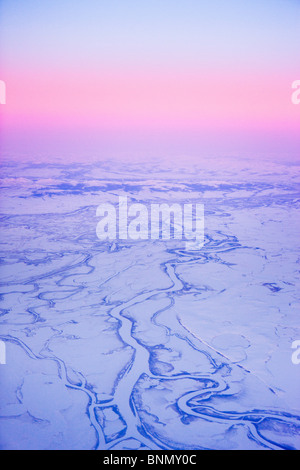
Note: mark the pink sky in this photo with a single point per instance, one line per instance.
(150, 78)
(97, 104)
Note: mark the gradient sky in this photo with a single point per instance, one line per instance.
(134, 79)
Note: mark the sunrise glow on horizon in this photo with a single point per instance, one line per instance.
(186, 78)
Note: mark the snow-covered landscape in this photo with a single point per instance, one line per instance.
(143, 344)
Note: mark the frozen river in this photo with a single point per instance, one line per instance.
(142, 344)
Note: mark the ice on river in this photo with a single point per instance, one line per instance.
(142, 344)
